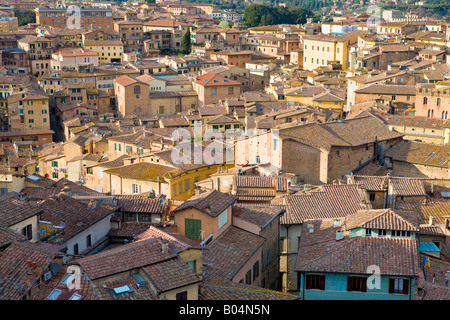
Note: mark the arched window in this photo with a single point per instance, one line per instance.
(438, 101)
(430, 113)
(425, 100)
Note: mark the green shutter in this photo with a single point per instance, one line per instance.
(192, 229)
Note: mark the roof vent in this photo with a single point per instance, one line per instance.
(339, 235)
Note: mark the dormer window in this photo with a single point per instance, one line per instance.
(401, 233)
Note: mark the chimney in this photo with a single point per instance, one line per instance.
(431, 221)
(164, 246)
(66, 190)
(339, 235)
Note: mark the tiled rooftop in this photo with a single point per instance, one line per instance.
(224, 256)
(320, 252)
(328, 201)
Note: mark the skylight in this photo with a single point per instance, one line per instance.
(75, 296)
(54, 295)
(122, 289)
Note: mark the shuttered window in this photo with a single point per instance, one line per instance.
(357, 284)
(397, 285)
(192, 228)
(314, 281)
(223, 219)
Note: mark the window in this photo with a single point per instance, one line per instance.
(401, 233)
(248, 277)
(182, 295)
(223, 218)
(276, 144)
(192, 228)
(214, 91)
(27, 231)
(381, 232)
(372, 196)
(230, 90)
(357, 284)
(88, 241)
(75, 249)
(315, 282)
(135, 188)
(186, 186)
(399, 286)
(255, 270)
(54, 294)
(368, 232)
(137, 89)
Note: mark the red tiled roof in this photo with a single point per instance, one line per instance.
(170, 274)
(131, 256)
(226, 255)
(212, 202)
(8, 236)
(380, 219)
(14, 269)
(320, 252)
(76, 215)
(13, 211)
(259, 215)
(140, 204)
(328, 201)
(209, 79)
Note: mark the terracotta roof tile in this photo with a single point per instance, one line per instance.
(170, 274)
(380, 219)
(14, 269)
(328, 201)
(212, 202)
(131, 256)
(322, 253)
(225, 255)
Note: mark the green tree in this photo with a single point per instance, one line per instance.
(224, 24)
(186, 42)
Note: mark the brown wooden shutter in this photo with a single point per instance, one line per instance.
(405, 286)
(322, 282)
(349, 284)
(391, 285)
(308, 282)
(363, 284)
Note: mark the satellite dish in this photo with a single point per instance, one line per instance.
(350, 173)
(55, 267)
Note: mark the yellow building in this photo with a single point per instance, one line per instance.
(163, 173)
(8, 24)
(326, 98)
(29, 110)
(320, 49)
(109, 51)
